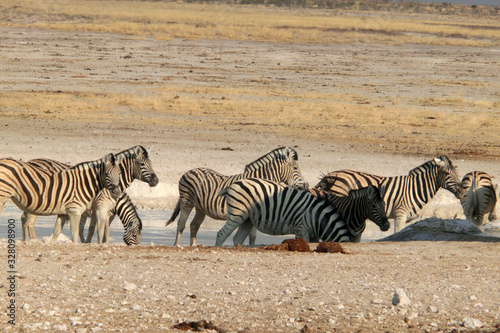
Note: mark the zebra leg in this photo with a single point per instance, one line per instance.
(399, 223)
(90, 232)
(252, 236)
(60, 221)
(181, 224)
(195, 226)
(228, 228)
(74, 223)
(242, 233)
(102, 221)
(108, 228)
(81, 229)
(30, 226)
(24, 219)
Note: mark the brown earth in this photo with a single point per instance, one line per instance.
(452, 286)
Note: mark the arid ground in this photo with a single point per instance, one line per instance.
(383, 108)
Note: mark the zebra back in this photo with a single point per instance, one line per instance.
(41, 192)
(48, 164)
(479, 199)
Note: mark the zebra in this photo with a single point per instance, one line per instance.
(135, 164)
(67, 192)
(200, 188)
(275, 209)
(480, 197)
(127, 213)
(28, 220)
(404, 195)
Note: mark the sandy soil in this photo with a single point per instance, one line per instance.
(90, 288)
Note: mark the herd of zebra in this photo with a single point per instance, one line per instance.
(270, 196)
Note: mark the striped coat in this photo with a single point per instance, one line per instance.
(275, 209)
(404, 196)
(480, 197)
(68, 192)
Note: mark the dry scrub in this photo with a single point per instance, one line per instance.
(166, 20)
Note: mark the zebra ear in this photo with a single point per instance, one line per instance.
(439, 162)
(371, 191)
(110, 158)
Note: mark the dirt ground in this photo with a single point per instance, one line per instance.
(451, 286)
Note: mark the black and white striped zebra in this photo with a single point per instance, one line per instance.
(134, 163)
(479, 198)
(199, 188)
(68, 192)
(127, 213)
(404, 196)
(28, 220)
(275, 209)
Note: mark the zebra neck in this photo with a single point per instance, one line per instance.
(91, 173)
(351, 210)
(127, 171)
(422, 186)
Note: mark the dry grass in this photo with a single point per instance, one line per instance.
(166, 20)
(335, 118)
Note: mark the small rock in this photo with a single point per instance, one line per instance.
(59, 328)
(400, 299)
(471, 323)
(129, 286)
(432, 309)
(136, 307)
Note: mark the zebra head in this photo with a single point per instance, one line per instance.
(136, 164)
(376, 210)
(290, 172)
(133, 229)
(279, 165)
(146, 173)
(448, 176)
(112, 175)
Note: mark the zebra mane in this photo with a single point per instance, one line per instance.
(426, 166)
(92, 164)
(281, 154)
(134, 150)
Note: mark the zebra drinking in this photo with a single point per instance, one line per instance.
(404, 196)
(480, 198)
(67, 192)
(200, 188)
(275, 209)
(134, 163)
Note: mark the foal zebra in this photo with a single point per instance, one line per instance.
(67, 192)
(480, 197)
(404, 196)
(275, 209)
(200, 188)
(134, 164)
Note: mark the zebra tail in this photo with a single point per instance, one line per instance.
(175, 213)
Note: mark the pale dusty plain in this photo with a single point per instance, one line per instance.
(90, 288)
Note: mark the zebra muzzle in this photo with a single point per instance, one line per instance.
(154, 180)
